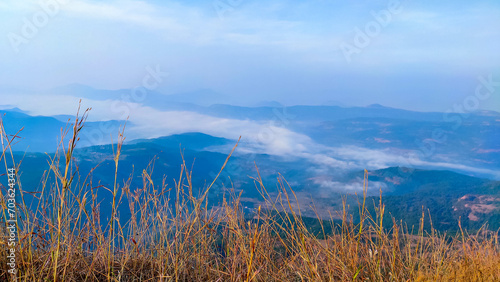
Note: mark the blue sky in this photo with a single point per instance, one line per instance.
(427, 56)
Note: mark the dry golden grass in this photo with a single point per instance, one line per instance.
(63, 238)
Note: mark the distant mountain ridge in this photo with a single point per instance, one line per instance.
(210, 102)
(42, 134)
(152, 98)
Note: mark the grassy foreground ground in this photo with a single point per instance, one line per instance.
(175, 235)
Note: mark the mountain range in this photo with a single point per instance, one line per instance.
(446, 164)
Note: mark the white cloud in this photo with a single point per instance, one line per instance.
(355, 186)
(378, 159)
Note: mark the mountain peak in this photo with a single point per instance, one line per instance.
(8, 108)
(376, 106)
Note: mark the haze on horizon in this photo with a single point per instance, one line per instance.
(424, 55)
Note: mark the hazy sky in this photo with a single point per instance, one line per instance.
(422, 55)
